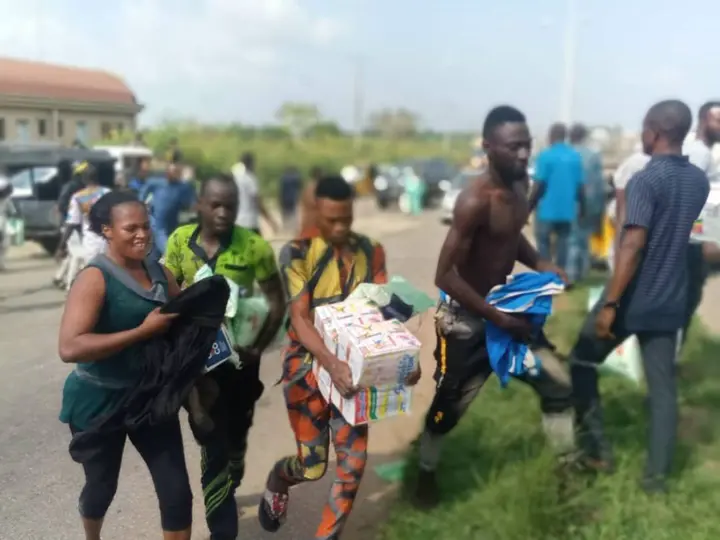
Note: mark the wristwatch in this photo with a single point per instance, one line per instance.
(611, 305)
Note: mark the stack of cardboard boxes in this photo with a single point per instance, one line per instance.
(381, 355)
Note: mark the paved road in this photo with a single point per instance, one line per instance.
(39, 483)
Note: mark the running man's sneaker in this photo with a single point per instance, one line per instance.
(272, 510)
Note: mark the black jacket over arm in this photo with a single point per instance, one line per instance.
(172, 364)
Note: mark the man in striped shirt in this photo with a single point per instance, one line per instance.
(698, 149)
(647, 294)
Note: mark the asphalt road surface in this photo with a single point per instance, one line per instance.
(39, 483)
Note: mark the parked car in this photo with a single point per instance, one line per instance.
(127, 158)
(38, 172)
(388, 186)
(436, 173)
(457, 184)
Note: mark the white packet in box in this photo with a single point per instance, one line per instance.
(327, 389)
(379, 354)
(331, 317)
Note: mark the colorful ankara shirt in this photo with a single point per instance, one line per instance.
(315, 275)
(245, 258)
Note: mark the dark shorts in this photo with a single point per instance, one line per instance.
(463, 366)
(461, 351)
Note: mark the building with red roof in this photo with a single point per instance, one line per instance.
(46, 102)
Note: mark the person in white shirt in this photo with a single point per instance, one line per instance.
(699, 152)
(77, 225)
(250, 204)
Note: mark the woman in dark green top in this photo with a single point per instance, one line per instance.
(112, 308)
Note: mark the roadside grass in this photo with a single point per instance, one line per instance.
(498, 479)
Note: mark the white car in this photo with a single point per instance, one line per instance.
(127, 157)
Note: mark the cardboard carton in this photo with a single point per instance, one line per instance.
(379, 354)
(329, 319)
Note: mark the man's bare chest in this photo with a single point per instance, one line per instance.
(509, 213)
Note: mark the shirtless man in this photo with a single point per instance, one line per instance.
(480, 251)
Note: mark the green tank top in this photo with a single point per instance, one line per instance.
(94, 388)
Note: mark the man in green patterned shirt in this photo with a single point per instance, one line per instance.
(247, 259)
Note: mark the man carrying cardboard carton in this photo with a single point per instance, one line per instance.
(480, 251)
(321, 270)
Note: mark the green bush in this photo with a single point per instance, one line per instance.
(212, 149)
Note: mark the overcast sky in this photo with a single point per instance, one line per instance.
(449, 60)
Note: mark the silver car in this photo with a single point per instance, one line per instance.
(452, 190)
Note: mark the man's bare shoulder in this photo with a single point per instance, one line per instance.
(473, 203)
(477, 192)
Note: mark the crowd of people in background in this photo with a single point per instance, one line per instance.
(571, 195)
(139, 254)
(658, 270)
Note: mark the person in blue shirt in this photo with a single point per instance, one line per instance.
(166, 198)
(558, 195)
(142, 173)
(595, 193)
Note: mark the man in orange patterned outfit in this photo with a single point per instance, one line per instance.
(322, 269)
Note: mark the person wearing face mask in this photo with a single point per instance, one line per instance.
(104, 325)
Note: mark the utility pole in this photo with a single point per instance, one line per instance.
(568, 88)
(358, 102)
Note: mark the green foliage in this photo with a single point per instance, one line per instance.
(210, 149)
(499, 481)
(298, 118)
(394, 122)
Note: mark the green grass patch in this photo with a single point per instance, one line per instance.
(499, 482)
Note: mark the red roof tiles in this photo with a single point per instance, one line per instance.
(37, 79)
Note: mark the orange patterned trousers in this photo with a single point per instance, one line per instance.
(314, 423)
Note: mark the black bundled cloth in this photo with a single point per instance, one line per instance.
(173, 362)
